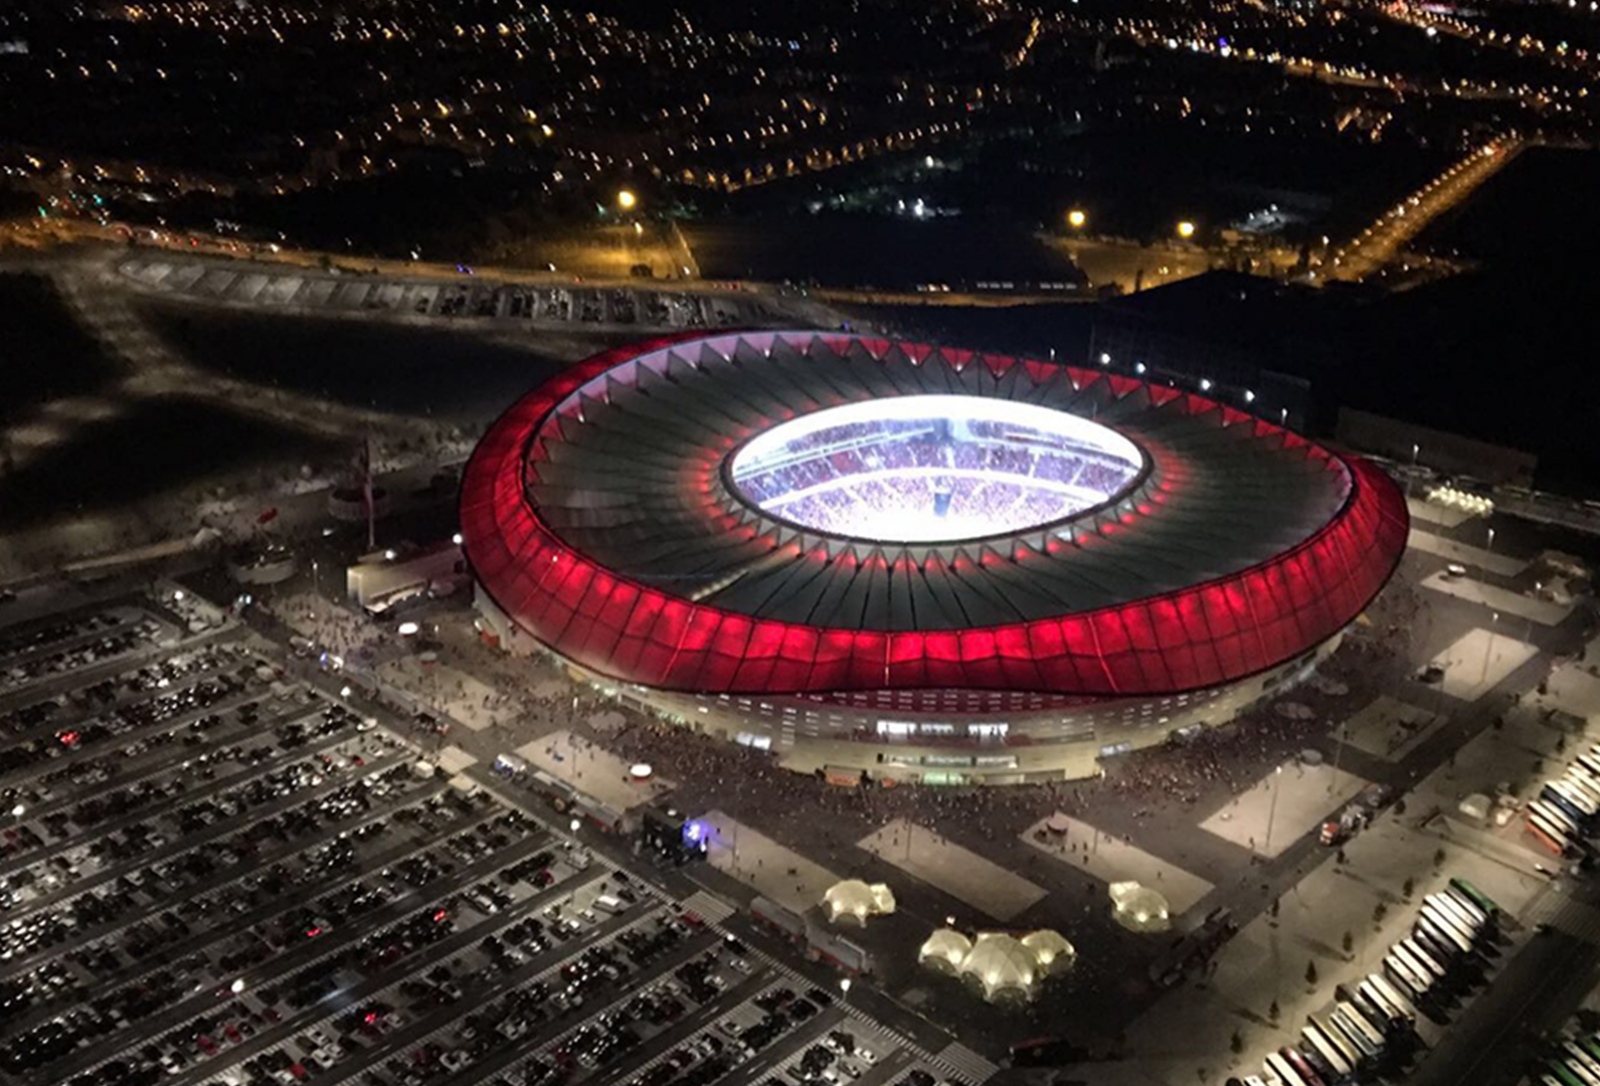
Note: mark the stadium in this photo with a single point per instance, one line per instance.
(929, 563)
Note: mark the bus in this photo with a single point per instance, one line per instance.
(1277, 1067)
(1324, 1057)
(1380, 1000)
(1591, 1045)
(1350, 1014)
(1579, 1071)
(1429, 964)
(1446, 907)
(1549, 831)
(1564, 1074)
(1302, 1066)
(1445, 930)
(1405, 981)
(1583, 1063)
(1590, 763)
(1323, 1034)
(1404, 1008)
(1433, 938)
(1378, 1021)
(1557, 814)
(1364, 1018)
(1559, 795)
(1572, 786)
(1315, 1064)
(1356, 1052)
(1410, 973)
(1440, 928)
(1460, 909)
(1586, 786)
(1484, 903)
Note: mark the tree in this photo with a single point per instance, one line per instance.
(1273, 1011)
(1272, 910)
(1379, 911)
(1408, 888)
(1561, 743)
(1311, 971)
(1439, 858)
(1399, 807)
(1236, 1043)
(1348, 942)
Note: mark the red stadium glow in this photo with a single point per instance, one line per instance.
(598, 515)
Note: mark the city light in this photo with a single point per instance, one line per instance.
(626, 200)
(1077, 218)
(1185, 229)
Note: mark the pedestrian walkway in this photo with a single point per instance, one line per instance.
(956, 870)
(965, 1063)
(711, 909)
(1389, 728)
(1283, 806)
(1110, 859)
(591, 769)
(774, 870)
(1479, 660)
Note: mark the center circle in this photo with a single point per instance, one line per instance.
(932, 468)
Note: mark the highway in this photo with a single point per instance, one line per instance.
(1377, 245)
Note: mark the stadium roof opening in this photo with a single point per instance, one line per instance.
(929, 468)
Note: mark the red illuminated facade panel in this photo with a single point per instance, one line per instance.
(1211, 632)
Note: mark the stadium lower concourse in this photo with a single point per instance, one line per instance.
(926, 563)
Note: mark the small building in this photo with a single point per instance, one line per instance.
(384, 579)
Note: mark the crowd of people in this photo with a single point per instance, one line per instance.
(846, 479)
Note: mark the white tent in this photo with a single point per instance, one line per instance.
(856, 900)
(1139, 908)
(1001, 965)
(945, 950)
(1053, 953)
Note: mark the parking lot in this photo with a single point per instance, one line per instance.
(500, 303)
(213, 873)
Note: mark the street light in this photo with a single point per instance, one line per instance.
(844, 987)
(626, 200)
(1185, 229)
(1272, 810)
(237, 986)
(18, 811)
(575, 825)
(1076, 218)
